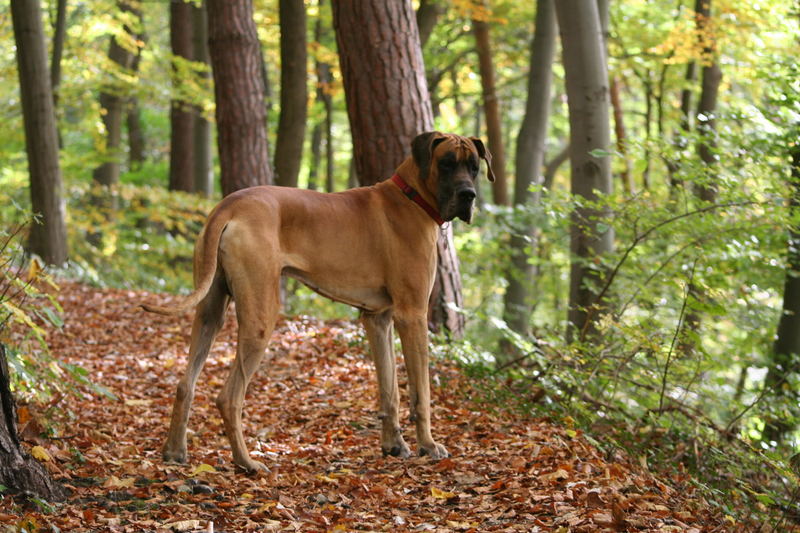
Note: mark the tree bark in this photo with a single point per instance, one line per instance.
(491, 108)
(529, 164)
(587, 94)
(18, 470)
(48, 237)
(239, 91)
(294, 93)
(181, 155)
(112, 104)
(203, 155)
(388, 105)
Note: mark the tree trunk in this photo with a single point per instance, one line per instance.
(491, 108)
(706, 189)
(203, 156)
(48, 237)
(181, 115)
(137, 145)
(112, 104)
(239, 91)
(785, 357)
(316, 156)
(18, 470)
(619, 131)
(428, 14)
(587, 94)
(388, 105)
(294, 93)
(529, 164)
(59, 32)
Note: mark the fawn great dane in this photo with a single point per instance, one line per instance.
(372, 247)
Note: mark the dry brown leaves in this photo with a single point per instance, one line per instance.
(310, 414)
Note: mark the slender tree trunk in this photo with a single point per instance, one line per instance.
(388, 105)
(18, 470)
(316, 156)
(785, 357)
(59, 32)
(239, 90)
(48, 237)
(706, 188)
(529, 164)
(112, 104)
(587, 93)
(294, 93)
(619, 130)
(428, 14)
(203, 155)
(137, 145)
(491, 108)
(181, 156)
(681, 136)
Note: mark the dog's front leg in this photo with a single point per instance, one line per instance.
(413, 332)
(379, 335)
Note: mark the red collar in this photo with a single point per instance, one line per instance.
(413, 195)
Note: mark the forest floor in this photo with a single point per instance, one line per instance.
(310, 415)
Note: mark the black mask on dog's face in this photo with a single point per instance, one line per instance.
(448, 166)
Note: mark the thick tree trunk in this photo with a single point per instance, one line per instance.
(181, 115)
(19, 471)
(112, 104)
(294, 93)
(529, 164)
(203, 155)
(587, 93)
(388, 105)
(785, 357)
(48, 237)
(239, 90)
(491, 108)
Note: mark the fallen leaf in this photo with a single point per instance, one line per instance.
(203, 468)
(442, 494)
(40, 454)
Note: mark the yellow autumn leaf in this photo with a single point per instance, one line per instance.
(326, 479)
(116, 483)
(34, 270)
(203, 468)
(571, 433)
(40, 454)
(441, 494)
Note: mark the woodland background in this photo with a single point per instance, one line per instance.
(633, 268)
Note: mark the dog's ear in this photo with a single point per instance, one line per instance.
(484, 154)
(422, 148)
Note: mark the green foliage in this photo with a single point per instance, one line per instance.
(28, 306)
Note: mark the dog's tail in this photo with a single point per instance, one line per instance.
(205, 265)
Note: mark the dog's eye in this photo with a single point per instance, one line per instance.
(447, 164)
(473, 168)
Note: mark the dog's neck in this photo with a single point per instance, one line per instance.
(409, 171)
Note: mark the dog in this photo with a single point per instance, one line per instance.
(371, 247)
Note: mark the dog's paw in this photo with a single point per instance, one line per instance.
(399, 449)
(435, 451)
(174, 456)
(252, 466)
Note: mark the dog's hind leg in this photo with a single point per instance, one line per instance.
(208, 320)
(256, 313)
(379, 333)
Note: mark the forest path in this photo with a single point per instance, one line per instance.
(310, 415)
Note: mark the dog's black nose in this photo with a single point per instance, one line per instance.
(466, 195)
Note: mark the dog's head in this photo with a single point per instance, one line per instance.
(448, 166)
